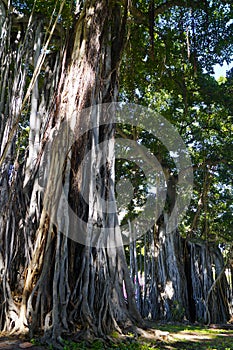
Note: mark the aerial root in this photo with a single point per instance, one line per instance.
(148, 333)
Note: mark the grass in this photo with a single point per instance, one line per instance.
(182, 337)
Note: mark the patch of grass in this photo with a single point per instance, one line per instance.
(210, 344)
(176, 328)
(188, 337)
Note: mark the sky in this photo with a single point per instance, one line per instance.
(220, 71)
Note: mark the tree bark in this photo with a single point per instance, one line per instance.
(62, 286)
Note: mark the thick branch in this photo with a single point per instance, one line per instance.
(169, 4)
(142, 18)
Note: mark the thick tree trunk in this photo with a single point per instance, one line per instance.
(96, 298)
(183, 280)
(55, 283)
(167, 297)
(208, 287)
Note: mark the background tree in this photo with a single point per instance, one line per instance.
(175, 80)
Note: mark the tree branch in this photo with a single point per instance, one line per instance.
(169, 4)
(142, 18)
(210, 162)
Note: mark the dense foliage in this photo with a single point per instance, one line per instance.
(173, 74)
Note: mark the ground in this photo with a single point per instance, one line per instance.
(161, 336)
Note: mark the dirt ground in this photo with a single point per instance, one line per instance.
(14, 343)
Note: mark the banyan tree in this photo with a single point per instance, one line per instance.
(58, 60)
